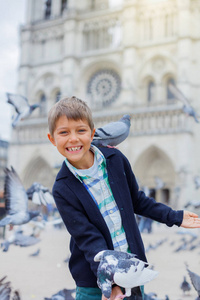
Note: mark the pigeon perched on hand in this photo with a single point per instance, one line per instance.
(16, 201)
(112, 134)
(187, 108)
(22, 107)
(123, 269)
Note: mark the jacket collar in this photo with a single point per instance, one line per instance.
(65, 172)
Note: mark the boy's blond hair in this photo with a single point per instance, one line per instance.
(72, 108)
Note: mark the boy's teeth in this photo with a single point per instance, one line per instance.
(74, 148)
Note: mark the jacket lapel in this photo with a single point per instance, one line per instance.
(82, 194)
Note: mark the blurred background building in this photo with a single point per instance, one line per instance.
(118, 56)
(3, 161)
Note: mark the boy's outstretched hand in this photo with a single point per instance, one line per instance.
(190, 220)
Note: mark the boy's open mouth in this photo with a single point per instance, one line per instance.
(74, 148)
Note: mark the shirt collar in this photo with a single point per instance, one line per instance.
(98, 156)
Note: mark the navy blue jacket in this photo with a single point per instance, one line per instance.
(89, 232)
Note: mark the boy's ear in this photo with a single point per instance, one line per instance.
(93, 132)
(51, 139)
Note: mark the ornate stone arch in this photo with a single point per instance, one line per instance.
(156, 66)
(40, 171)
(169, 78)
(46, 83)
(155, 162)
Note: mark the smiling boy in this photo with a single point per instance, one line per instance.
(97, 196)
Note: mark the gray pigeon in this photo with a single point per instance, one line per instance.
(36, 253)
(22, 107)
(194, 203)
(159, 183)
(185, 286)
(64, 294)
(6, 291)
(187, 108)
(39, 194)
(121, 268)
(19, 239)
(112, 134)
(195, 279)
(197, 181)
(16, 201)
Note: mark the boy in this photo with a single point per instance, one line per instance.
(97, 196)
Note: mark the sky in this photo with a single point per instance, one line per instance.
(12, 15)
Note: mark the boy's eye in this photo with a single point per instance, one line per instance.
(63, 132)
(81, 130)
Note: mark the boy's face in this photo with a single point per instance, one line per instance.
(72, 139)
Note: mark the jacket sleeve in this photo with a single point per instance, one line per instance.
(147, 206)
(86, 235)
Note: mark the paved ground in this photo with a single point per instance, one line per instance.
(46, 274)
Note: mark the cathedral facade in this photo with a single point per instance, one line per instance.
(120, 57)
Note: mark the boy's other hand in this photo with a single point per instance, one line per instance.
(190, 220)
(115, 295)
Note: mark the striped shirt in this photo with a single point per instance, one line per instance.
(95, 180)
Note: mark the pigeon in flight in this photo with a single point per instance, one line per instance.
(39, 194)
(187, 108)
(6, 291)
(22, 107)
(16, 201)
(121, 268)
(195, 279)
(113, 133)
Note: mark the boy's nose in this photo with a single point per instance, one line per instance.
(73, 138)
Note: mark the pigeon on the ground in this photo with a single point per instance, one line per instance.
(159, 183)
(36, 253)
(22, 107)
(113, 133)
(19, 239)
(185, 286)
(146, 190)
(66, 260)
(16, 201)
(197, 181)
(194, 203)
(187, 108)
(64, 294)
(195, 279)
(6, 291)
(121, 268)
(39, 194)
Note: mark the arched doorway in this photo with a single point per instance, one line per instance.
(152, 163)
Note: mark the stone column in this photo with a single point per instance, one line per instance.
(56, 8)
